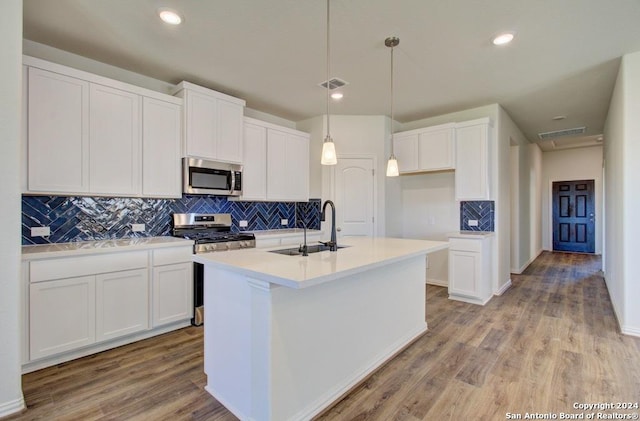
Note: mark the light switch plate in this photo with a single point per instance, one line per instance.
(137, 227)
(40, 231)
(284, 222)
(243, 224)
(472, 222)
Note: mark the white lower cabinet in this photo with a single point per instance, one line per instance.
(286, 239)
(122, 303)
(62, 315)
(76, 306)
(470, 269)
(172, 296)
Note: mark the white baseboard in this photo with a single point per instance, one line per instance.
(631, 331)
(523, 267)
(438, 282)
(503, 288)
(12, 407)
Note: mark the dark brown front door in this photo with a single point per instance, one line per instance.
(574, 216)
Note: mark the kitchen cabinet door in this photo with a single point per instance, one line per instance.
(277, 175)
(297, 168)
(122, 303)
(436, 149)
(58, 135)
(61, 315)
(229, 132)
(213, 124)
(161, 134)
(200, 124)
(470, 270)
(254, 175)
(172, 293)
(115, 141)
(405, 148)
(472, 181)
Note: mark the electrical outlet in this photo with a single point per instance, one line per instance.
(40, 231)
(243, 224)
(137, 227)
(284, 222)
(472, 222)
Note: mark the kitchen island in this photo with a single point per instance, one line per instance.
(287, 336)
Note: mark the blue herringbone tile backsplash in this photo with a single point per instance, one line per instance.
(103, 218)
(482, 211)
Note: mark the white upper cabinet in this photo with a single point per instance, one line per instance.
(114, 141)
(254, 180)
(213, 123)
(58, 132)
(277, 174)
(87, 134)
(405, 148)
(428, 149)
(161, 134)
(297, 157)
(473, 160)
(276, 166)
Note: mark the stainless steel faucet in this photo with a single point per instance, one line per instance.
(333, 244)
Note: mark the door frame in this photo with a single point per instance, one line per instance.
(331, 191)
(596, 196)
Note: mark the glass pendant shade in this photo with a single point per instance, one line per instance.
(328, 152)
(392, 167)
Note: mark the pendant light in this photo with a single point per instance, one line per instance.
(328, 147)
(392, 164)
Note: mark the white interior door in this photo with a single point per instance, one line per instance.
(354, 196)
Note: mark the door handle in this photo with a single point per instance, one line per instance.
(338, 229)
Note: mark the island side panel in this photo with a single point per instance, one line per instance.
(327, 338)
(278, 353)
(228, 339)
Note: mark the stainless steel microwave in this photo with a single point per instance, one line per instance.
(209, 177)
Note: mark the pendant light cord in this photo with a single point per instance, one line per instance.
(392, 154)
(328, 82)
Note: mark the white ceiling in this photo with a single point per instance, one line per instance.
(563, 61)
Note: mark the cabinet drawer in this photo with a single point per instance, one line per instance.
(465, 244)
(47, 270)
(169, 256)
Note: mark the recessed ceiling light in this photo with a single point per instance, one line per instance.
(559, 117)
(503, 39)
(170, 16)
(337, 95)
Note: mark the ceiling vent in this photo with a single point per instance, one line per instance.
(562, 133)
(334, 83)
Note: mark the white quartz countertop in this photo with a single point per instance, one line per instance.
(471, 234)
(362, 253)
(288, 232)
(77, 248)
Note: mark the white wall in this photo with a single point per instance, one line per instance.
(11, 399)
(567, 165)
(622, 172)
(429, 211)
(535, 200)
(353, 135)
(524, 193)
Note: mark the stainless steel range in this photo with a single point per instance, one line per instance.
(211, 233)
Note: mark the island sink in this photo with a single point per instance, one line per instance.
(297, 251)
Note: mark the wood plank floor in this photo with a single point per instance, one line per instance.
(549, 341)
